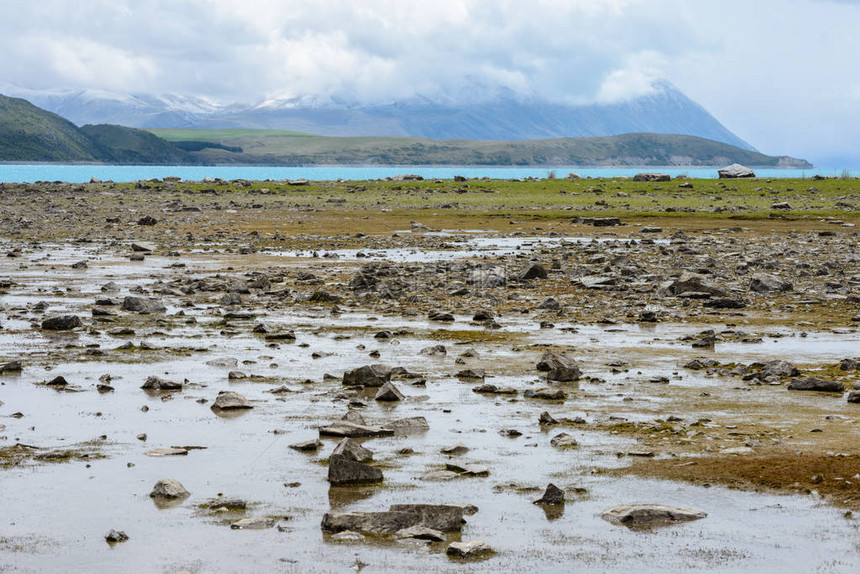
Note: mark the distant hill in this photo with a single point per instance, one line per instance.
(29, 133)
(480, 112)
(634, 150)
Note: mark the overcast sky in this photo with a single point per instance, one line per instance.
(782, 74)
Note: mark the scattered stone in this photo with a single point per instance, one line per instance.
(368, 376)
(147, 220)
(353, 451)
(455, 450)
(765, 283)
(546, 394)
(650, 514)
(342, 470)
(159, 452)
(158, 384)
(168, 488)
(735, 170)
(559, 367)
(534, 271)
(854, 397)
(434, 351)
(471, 374)
(408, 425)
(353, 430)
(389, 393)
(552, 495)
(815, 384)
(778, 368)
(306, 446)
(62, 323)
(420, 533)
(651, 177)
(11, 367)
(142, 305)
(230, 400)
(441, 517)
(115, 536)
(546, 419)
(258, 523)
(471, 549)
(563, 441)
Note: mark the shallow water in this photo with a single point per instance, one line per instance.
(55, 515)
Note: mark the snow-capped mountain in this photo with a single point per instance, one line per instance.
(499, 114)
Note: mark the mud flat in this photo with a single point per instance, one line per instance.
(690, 344)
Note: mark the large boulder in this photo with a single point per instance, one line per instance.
(158, 384)
(230, 400)
(367, 376)
(652, 177)
(650, 514)
(559, 367)
(778, 368)
(766, 283)
(143, 305)
(734, 171)
(815, 384)
(343, 470)
(352, 451)
(441, 517)
(693, 283)
(168, 488)
(62, 323)
(533, 271)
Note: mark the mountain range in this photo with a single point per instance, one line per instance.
(501, 115)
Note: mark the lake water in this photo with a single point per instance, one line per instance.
(29, 173)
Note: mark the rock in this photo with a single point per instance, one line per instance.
(552, 495)
(601, 282)
(417, 226)
(563, 441)
(854, 397)
(781, 205)
(159, 452)
(257, 523)
(441, 517)
(494, 390)
(650, 514)
(114, 536)
(652, 177)
(814, 384)
(306, 446)
(534, 271)
(559, 367)
(147, 220)
(408, 425)
(844, 365)
(407, 177)
(62, 323)
(765, 283)
(143, 247)
(168, 488)
(142, 305)
(368, 376)
(355, 417)
(440, 475)
(693, 282)
(546, 419)
(455, 450)
(550, 304)
(440, 316)
(342, 470)
(471, 374)
(471, 549)
(227, 400)
(421, 533)
(158, 384)
(347, 536)
(353, 451)
(725, 303)
(778, 368)
(491, 277)
(434, 351)
(735, 170)
(651, 229)
(353, 430)
(388, 392)
(546, 394)
(11, 367)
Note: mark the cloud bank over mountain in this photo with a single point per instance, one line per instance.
(783, 75)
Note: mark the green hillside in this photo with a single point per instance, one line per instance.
(119, 144)
(280, 148)
(28, 133)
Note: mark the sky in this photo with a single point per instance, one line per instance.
(784, 75)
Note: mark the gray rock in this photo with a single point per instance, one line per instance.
(693, 283)
(257, 523)
(342, 470)
(168, 488)
(778, 368)
(158, 384)
(368, 376)
(470, 549)
(455, 450)
(735, 170)
(143, 305)
(421, 533)
(490, 277)
(815, 384)
(444, 518)
(471, 374)
(141, 247)
(546, 394)
(652, 177)
(408, 425)
(533, 271)
(306, 446)
(11, 367)
(388, 392)
(114, 536)
(62, 323)
(844, 365)
(440, 475)
(550, 304)
(650, 514)
(559, 367)
(766, 283)
(434, 351)
(353, 430)
(227, 400)
(563, 441)
(353, 451)
(854, 397)
(552, 495)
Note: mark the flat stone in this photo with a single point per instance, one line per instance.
(420, 533)
(258, 523)
(142, 305)
(408, 425)
(546, 394)
(650, 514)
(62, 323)
(815, 384)
(306, 446)
(157, 452)
(471, 549)
(348, 429)
(444, 518)
(455, 450)
(158, 384)
(440, 475)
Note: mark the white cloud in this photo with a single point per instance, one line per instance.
(781, 73)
